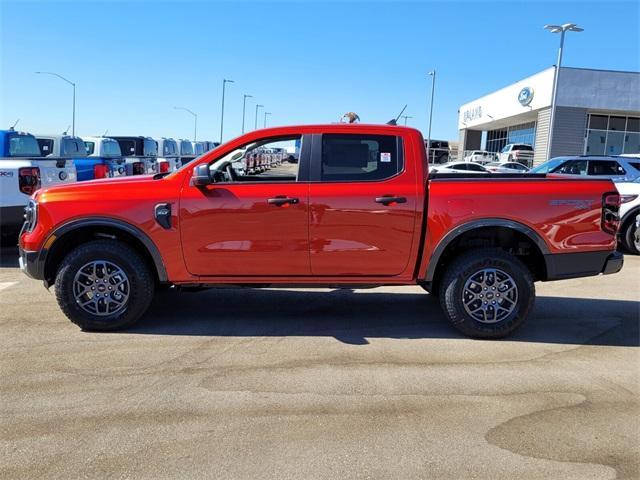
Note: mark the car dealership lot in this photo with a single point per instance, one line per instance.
(322, 384)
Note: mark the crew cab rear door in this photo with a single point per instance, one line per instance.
(362, 200)
(248, 224)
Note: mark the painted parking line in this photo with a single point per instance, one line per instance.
(4, 285)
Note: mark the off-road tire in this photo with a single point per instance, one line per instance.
(463, 268)
(141, 286)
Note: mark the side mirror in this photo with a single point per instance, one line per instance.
(201, 175)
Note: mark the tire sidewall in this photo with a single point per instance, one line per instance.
(140, 283)
(629, 233)
(454, 306)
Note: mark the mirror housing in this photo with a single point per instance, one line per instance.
(201, 176)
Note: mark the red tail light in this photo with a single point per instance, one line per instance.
(138, 168)
(610, 212)
(164, 167)
(29, 180)
(100, 171)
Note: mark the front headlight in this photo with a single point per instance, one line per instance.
(30, 215)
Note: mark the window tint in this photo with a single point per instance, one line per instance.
(71, 147)
(111, 148)
(359, 157)
(635, 165)
(605, 167)
(527, 148)
(598, 122)
(23, 146)
(572, 167)
(269, 160)
(169, 147)
(128, 147)
(474, 167)
(150, 148)
(90, 147)
(46, 146)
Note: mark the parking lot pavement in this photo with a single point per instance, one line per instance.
(322, 384)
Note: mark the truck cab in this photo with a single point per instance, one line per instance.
(168, 159)
(140, 154)
(22, 172)
(107, 151)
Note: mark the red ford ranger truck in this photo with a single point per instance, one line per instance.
(358, 209)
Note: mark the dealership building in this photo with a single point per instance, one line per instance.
(597, 113)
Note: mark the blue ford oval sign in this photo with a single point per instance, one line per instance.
(525, 96)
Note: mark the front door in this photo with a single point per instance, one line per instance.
(362, 204)
(247, 224)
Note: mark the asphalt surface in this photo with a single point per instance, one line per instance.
(279, 384)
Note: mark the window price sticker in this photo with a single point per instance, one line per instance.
(385, 157)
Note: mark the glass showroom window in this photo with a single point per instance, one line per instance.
(612, 135)
(523, 133)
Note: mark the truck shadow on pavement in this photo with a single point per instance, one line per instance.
(353, 316)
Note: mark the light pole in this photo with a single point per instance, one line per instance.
(224, 84)
(195, 120)
(405, 118)
(255, 127)
(432, 74)
(244, 104)
(73, 120)
(265, 119)
(561, 29)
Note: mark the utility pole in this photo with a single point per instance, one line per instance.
(73, 120)
(255, 127)
(432, 74)
(244, 104)
(561, 29)
(224, 84)
(265, 119)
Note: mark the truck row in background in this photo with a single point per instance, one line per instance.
(29, 162)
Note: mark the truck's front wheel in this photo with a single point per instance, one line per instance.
(104, 285)
(487, 293)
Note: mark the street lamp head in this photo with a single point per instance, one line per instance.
(248, 96)
(228, 81)
(570, 27)
(431, 73)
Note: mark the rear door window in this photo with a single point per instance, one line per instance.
(355, 157)
(572, 167)
(605, 167)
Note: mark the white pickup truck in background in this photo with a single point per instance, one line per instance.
(22, 172)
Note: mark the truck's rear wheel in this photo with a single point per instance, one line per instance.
(487, 293)
(104, 285)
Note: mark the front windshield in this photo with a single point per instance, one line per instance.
(23, 146)
(547, 166)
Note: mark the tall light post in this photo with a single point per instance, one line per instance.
(244, 104)
(255, 127)
(432, 74)
(195, 120)
(265, 119)
(561, 29)
(224, 85)
(73, 120)
(405, 118)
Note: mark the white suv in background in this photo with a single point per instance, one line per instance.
(517, 152)
(629, 210)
